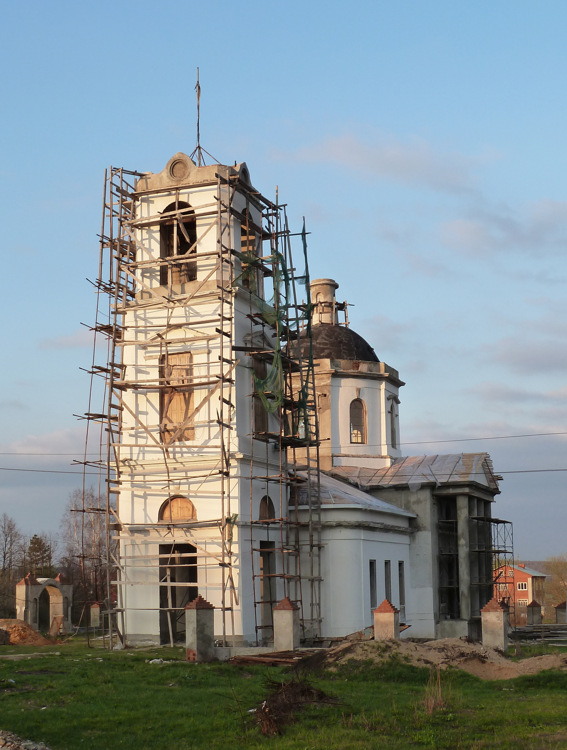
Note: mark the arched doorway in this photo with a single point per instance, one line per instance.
(267, 515)
(50, 604)
(177, 571)
(43, 619)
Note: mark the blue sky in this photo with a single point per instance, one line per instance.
(423, 142)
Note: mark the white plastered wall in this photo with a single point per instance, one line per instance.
(188, 463)
(377, 450)
(348, 546)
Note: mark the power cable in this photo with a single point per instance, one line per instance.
(369, 445)
(398, 474)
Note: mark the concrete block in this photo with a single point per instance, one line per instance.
(95, 615)
(286, 626)
(386, 622)
(494, 618)
(533, 613)
(199, 630)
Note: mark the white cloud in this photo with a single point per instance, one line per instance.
(413, 162)
(424, 266)
(68, 441)
(37, 476)
(496, 392)
(383, 334)
(319, 213)
(13, 404)
(525, 356)
(83, 337)
(538, 227)
(552, 320)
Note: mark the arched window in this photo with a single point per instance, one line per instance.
(176, 398)
(249, 249)
(357, 421)
(267, 511)
(260, 413)
(177, 509)
(393, 425)
(178, 237)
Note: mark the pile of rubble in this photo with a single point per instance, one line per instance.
(483, 662)
(12, 742)
(22, 634)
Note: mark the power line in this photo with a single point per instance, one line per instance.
(48, 471)
(20, 453)
(399, 474)
(492, 437)
(369, 445)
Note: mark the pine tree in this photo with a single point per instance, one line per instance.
(39, 557)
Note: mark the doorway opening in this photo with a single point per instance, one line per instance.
(267, 588)
(177, 587)
(50, 604)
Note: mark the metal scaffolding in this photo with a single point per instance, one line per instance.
(502, 564)
(186, 309)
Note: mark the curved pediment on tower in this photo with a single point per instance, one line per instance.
(181, 170)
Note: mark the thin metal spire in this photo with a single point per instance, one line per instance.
(198, 152)
(198, 149)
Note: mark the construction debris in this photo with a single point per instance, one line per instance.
(23, 634)
(284, 701)
(13, 742)
(276, 658)
(486, 663)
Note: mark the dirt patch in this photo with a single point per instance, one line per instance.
(285, 699)
(474, 658)
(22, 634)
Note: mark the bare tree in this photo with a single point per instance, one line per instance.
(11, 558)
(10, 542)
(84, 545)
(556, 582)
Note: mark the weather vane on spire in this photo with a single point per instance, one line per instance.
(198, 150)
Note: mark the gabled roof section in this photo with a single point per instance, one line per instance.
(508, 570)
(335, 493)
(415, 471)
(529, 571)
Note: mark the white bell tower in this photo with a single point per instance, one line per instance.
(204, 405)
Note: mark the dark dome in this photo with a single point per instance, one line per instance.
(338, 342)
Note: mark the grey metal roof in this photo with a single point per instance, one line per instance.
(529, 571)
(335, 493)
(415, 471)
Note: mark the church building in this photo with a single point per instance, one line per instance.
(447, 577)
(254, 437)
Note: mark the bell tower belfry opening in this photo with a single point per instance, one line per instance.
(206, 405)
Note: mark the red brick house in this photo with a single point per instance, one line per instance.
(518, 586)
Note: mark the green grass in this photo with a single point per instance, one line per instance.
(518, 651)
(85, 698)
